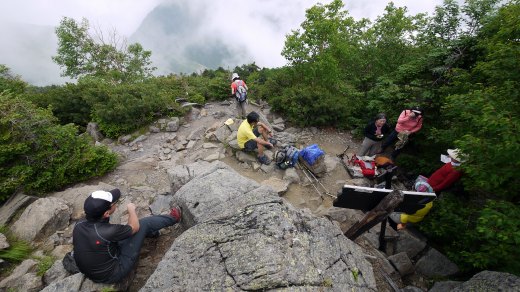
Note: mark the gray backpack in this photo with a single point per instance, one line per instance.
(241, 92)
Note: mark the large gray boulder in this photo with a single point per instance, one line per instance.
(75, 197)
(222, 133)
(243, 236)
(181, 174)
(490, 281)
(42, 218)
(94, 132)
(11, 207)
(23, 278)
(435, 264)
(409, 243)
(70, 283)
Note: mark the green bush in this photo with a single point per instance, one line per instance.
(10, 82)
(37, 155)
(122, 108)
(476, 234)
(44, 264)
(66, 102)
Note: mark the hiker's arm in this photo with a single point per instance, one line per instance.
(133, 221)
(263, 142)
(260, 124)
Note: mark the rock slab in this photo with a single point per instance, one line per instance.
(243, 236)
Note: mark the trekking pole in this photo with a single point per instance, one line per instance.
(316, 179)
(312, 183)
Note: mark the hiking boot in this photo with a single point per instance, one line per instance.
(264, 160)
(176, 214)
(154, 234)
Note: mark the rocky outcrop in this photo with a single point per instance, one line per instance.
(435, 264)
(42, 218)
(490, 281)
(239, 234)
(23, 278)
(243, 236)
(11, 207)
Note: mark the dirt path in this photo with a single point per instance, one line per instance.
(142, 167)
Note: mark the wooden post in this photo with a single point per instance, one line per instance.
(376, 215)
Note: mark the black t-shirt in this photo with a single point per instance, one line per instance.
(96, 250)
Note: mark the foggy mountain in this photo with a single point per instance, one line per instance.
(182, 39)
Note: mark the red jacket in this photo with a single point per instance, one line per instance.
(444, 177)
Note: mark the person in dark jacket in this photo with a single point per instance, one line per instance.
(105, 252)
(374, 133)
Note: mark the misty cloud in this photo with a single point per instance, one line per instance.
(235, 32)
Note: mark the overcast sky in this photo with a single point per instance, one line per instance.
(264, 41)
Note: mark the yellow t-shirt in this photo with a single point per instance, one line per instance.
(418, 216)
(245, 133)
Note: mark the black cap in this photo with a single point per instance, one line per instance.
(100, 201)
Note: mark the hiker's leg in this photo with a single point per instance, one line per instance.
(240, 113)
(243, 109)
(389, 140)
(374, 148)
(395, 153)
(131, 246)
(260, 149)
(365, 147)
(263, 133)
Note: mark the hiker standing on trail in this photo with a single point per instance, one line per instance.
(253, 134)
(409, 122)
(374, 133)
(239, 91)
(106, 253)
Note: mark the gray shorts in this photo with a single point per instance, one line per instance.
(251, 145)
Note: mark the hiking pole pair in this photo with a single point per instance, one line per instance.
(305, 170)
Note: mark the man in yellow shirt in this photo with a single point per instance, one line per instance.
(253, 134)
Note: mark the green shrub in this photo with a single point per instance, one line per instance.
(67, 103)
(44, 264)
(37, 155)
(121, 108)
(10, 82)
(476, 234)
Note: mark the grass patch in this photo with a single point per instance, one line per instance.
(18, 250)
(44, 264)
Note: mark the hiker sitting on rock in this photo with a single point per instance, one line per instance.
(106, 253)
(253, 134)
(374, 133)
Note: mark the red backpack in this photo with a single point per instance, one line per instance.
(368, 168)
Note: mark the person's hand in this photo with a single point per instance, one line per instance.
(131, 207)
